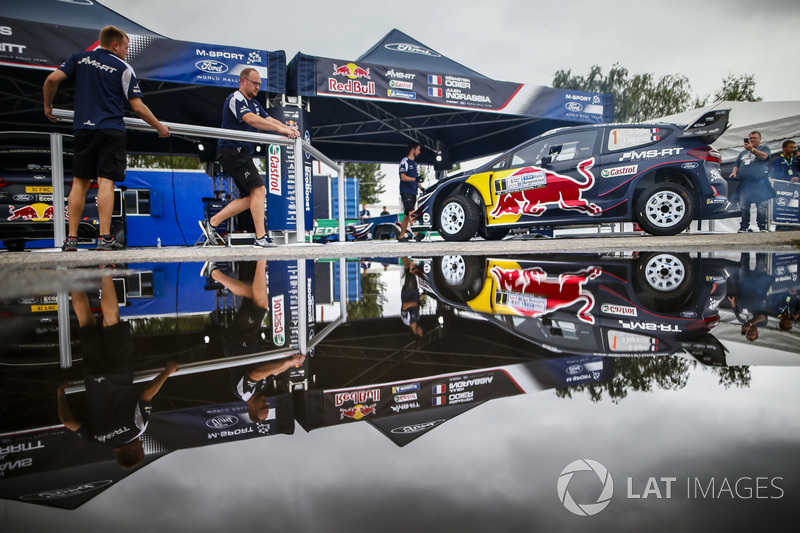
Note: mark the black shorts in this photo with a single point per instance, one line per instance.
(99, 154)
(108, 349)
(239, 164)
(409, 202)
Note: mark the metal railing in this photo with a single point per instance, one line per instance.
(304, 344)
(201, 131)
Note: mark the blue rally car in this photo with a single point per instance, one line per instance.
(661, 176)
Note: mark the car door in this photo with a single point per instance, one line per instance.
(547, 180)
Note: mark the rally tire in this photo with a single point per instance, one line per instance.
(665, 209)
(665, 282)
(459, 278)
(458, 218)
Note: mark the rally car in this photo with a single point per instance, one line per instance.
(661, 176)
(646, 304)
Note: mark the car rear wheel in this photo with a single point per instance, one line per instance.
(665, 209)
(665, 282)
(459, 218)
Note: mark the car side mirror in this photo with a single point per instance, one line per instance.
(546, 160)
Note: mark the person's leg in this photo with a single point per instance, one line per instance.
(260, 289)
(233, 208)
(105, 203)
(761, 216)
(109, 302)
(75, 203)
(257, 198)
(745, 207)
(80, 304)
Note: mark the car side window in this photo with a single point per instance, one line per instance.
(566, 147)
(623, 138)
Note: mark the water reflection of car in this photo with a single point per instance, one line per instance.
(661, 176)
(646, 304)
(26, 193)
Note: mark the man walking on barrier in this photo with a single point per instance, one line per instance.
(242, 112)
(103, 81)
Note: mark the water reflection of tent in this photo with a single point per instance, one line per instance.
(400, 89)
(375, 371)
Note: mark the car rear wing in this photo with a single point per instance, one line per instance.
(709, 126)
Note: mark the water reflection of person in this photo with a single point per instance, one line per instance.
(117, 410)
(243, 336)
(747, 293)
(410, 297)
(789, 311)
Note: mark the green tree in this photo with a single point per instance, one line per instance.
(369, 177)
(372, 300)
(637, 97)
(165, 161)
(738, 89)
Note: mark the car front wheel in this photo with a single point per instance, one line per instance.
(459, 218)
(665, 209)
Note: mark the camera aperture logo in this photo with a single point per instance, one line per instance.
(585, 509)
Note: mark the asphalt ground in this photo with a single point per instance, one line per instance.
(50, 271)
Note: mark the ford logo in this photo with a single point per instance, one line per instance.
(688, 314)
(23, 197)
(689, 166)
(782, 202)
(574, 106)
(574, 369)
(416, 428)
(209, 65)
(222, 421)
(28, 301)
(411, 48)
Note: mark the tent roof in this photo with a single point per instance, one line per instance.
(75, 13)
(368, 109)
(399, 50)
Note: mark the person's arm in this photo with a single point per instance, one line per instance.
(145, 114)
(272, 368)
(270, 124)
(761, 154)
(154, 386)
(735, 171)
(49, 91)
(64, 412)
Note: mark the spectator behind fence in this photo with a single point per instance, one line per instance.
(103, 81)
(752, 169)
(242, 112)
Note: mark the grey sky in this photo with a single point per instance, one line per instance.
(514, 40)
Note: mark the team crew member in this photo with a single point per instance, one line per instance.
(242, 112)
(786, 166)
(117, 410)
(409, 183)
(103, 81)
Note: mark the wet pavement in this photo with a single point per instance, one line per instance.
(523, 384)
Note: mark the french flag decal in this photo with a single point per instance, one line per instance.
(435, 91)
(439, 400)
(434, 80)
(439, 389)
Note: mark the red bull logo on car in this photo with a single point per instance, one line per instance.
(357, 412)
(531, 190)
(533, 293)
(38, 212)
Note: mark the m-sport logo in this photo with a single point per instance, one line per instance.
(66, 492)
(416, 428)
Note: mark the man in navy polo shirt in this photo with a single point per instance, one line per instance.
(409, 183)
(752, 170)
(103, 82)
(242, 112)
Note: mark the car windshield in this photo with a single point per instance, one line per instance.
(564, 147)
